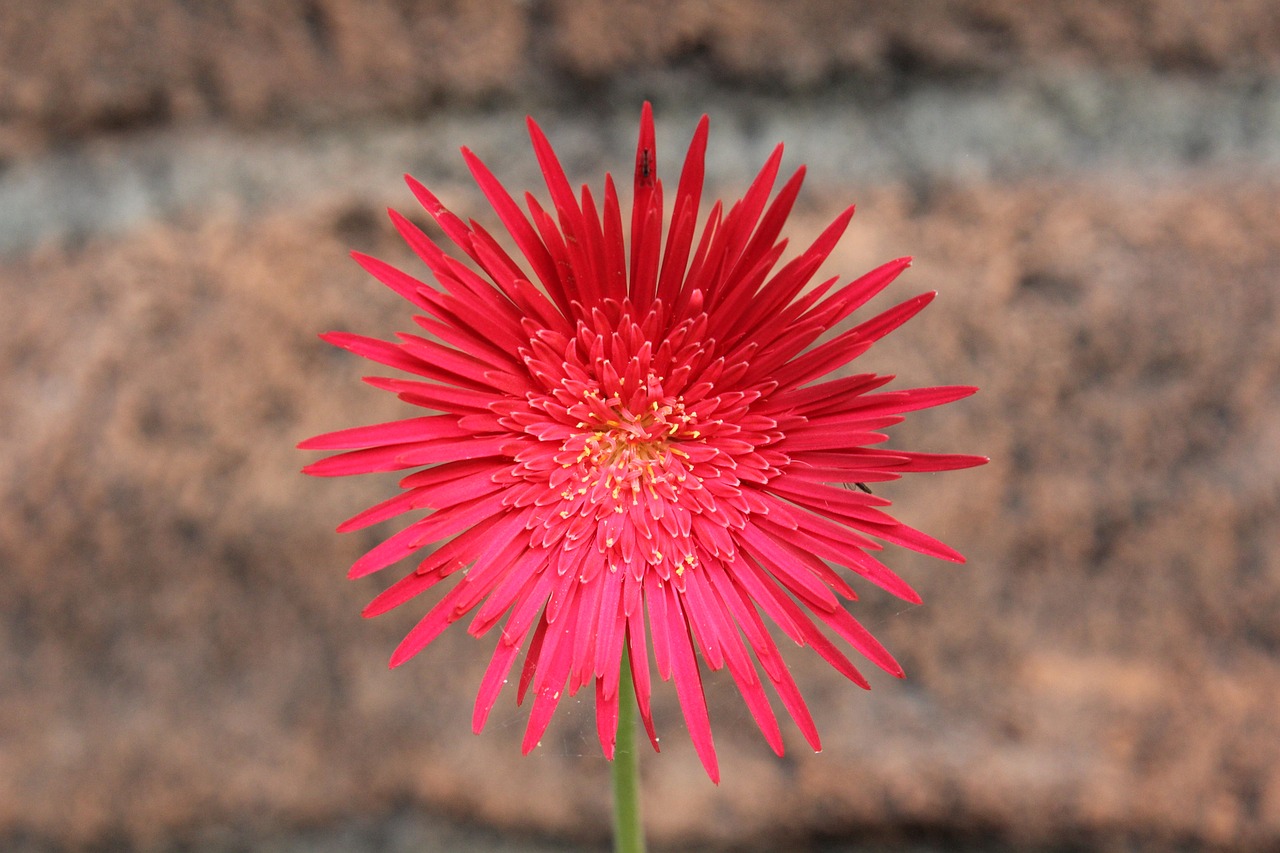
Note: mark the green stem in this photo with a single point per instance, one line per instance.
(628, 828)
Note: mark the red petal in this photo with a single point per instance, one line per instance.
(607, 718)
(519, 228)
(688, 682)
(491, 684)
(393, 432)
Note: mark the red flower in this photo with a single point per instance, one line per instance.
(640, 450)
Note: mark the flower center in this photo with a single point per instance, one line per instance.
(638, 449)
(626, 454)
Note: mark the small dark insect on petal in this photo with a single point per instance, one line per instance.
(862, 486)
(646, 166)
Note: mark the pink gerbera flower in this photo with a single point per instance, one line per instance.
(636, 444)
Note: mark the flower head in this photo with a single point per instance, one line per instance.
(637, 444)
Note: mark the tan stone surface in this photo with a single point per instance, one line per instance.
(96, 65)
(181, 650)
(78, 67)
(807, 43)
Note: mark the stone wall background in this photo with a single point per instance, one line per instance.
(1092, 187)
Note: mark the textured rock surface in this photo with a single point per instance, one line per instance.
(102, 65)
(806, 43)
(182, 665)
(98, 66)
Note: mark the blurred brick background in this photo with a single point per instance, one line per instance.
(1091, 186)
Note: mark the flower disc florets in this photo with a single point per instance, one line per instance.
(644, 450)
(641, 459)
